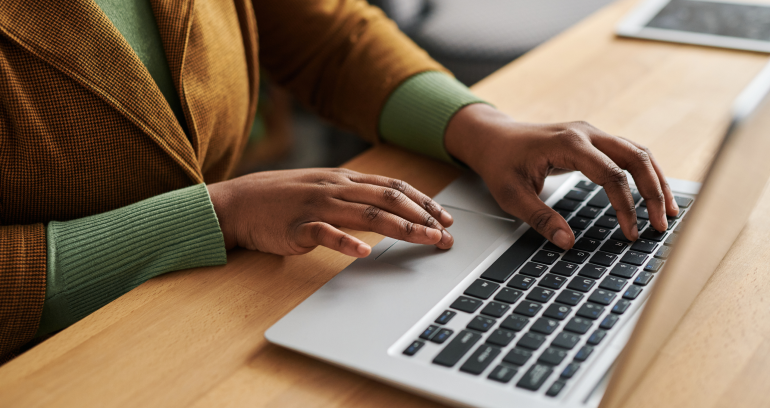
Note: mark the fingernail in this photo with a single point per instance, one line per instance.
(664, 221)
(445, 218)
(363, 249)
(433, 234)
(446, 238)
(634, 233)
(561, 239)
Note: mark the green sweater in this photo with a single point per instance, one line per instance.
(94, 260)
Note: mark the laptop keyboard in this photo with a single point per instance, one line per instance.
(540, 310)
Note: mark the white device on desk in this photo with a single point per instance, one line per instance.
(506, 319)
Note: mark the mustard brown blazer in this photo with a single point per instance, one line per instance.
(85, 130)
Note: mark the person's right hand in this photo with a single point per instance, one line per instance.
(291, 212)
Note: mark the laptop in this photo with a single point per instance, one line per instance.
(505, 318)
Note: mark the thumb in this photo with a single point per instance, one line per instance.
(543, 219)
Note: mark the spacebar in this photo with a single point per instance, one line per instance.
(512, 259)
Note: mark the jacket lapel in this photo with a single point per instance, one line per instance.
(75, 37)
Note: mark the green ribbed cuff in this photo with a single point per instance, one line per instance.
(94, 260)
(418, 111)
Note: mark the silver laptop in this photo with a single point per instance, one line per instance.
(505, 318)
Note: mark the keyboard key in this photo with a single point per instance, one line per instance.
(549, 246)
(635, 195)
(564, 214)
(540, 295)
(634, 258)
(586, 185)
(567, 205)
(602, 297)
(576, 195)
(508, 295)
(514, 322)
(623, 270)
(533, 269)
(654, 265)
(531, 341)
(652, 234)
(613, 283)
(442, 335)
(575, 256)
(414, 348)
(583, 353)
(495, 309)
(545, 257)
(501, 337)
(671, 240)
(514, 257)
(535, 377)
(527, 308)
(596, 337)
(640, 224)
(621, 306)
(578, 325)
(429, 332)
(566, 340)
(555, 388)
(611, 212)
(614, 247)
(480, 359)
(671, 223)
(481, 289)
(609, 321)
(576, 232)
(552, 281)
(552, 356)
(466, 304)
(632, 292)
(603, 258)
(569, 297)
(581, 284)
(592, 271)
(618, 235)
(570, 370)
(644, 245)
(557, 311)
(589, 212)
(607, 222)
(683, 202)
(521, 282)
(643, 279)
(587, 244)
(457, 348)
(663, 252)
(544, 325)
(641, 213)
(590, 311)
(598, 232)
(481, 323)
(564, 268)
(579, 223)
(517, 356)
(445, 317)
(502, 374)
(599, 200)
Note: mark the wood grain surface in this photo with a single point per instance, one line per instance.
(196, 337)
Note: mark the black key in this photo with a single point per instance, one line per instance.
(607, 222)
(521, 282)
(596, 337)
(481, 323)
(643, 203)
(632, 292)
(643, 279)
(614, 247)
(611, 212)
(445, 317)
(513, 257)
(586, 185)
(531, 341)
(545, 257)
(621, 306)
(514, 322)
(552, 281)
(590, 311)
(502, 374)
(552, 356)
(583, 353)
(533, 269)
(576, 233)
(654, 265)
(549, 246)
(683, 202)
(567, 205)
(644, 245)
(671, 240)
(599, 200)
(442, 336)
(587, 244)
(540, 295)
(652, 234)
(598, 232)
(563, 213)
(535, 377)
(566, 340)
(618, 235)
(481, 289)
(508, 295)
(544, 325)
(581, 284)
(527, 308)
(564, 268)
(609, 321)
(501, 337)
(613, 283)
(602, 297)
(557, 311)
(663, 252)
(570, 370)
(429, 332)
(457, 348)
(480, 359)
(578, 325)
(641, 212)
(414, 348)
(495, 309)
(635, 195)
(575, 256)
(589, 212)
(592, 271)
(569, 297)
(576, 195)
(634, 258)
(623, 270)
(671, 223)
(640, 224)
(603, 258)
(466, 304)
(517, 356)
(555, 388)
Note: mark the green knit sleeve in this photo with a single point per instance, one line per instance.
(94, 260)
(416, 114)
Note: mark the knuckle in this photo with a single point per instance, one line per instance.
(342, 241)
(317, 232)
(540, 219)
(392, 196)
(642, 156)
(615, 175)
(571, 138)
(409, 228)
(371, 213)
(581, 123)
(429, 221)
(430, 205)
(398, 185)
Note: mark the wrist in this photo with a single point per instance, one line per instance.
(219, 200)
(470, 132)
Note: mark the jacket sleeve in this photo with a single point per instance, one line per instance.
(342, 58)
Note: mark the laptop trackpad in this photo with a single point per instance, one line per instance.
(473, 233)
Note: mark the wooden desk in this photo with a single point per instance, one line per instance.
(195, 338)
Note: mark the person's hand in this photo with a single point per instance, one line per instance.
(293, 211)
(514, 159)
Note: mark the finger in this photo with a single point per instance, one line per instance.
(311, 234)
(528, 207)
(672, 209)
